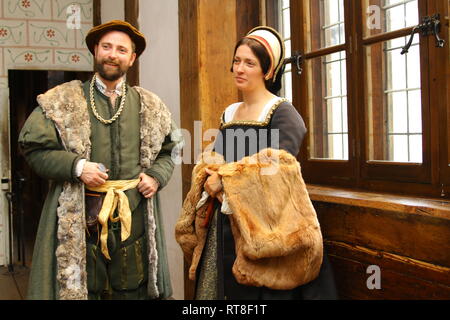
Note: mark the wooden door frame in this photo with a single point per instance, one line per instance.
(205, 61)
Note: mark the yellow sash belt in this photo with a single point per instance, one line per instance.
(115, 197)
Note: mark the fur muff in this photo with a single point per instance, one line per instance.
(189, 230)
(277, 235)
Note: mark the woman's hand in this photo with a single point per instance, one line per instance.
(213, 184)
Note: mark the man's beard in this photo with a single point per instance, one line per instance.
(112, 75)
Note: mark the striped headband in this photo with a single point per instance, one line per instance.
(272, 42)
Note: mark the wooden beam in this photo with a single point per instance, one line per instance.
(428, 207)
(97, 19)
(189, 80)
(217, 28)
(97, 12)
(208, 33)
(189, 97)
(272, 14)
(247, 16)
(132, 16)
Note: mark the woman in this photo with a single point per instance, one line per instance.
(262, 120)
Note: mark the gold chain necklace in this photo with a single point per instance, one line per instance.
(94, 109)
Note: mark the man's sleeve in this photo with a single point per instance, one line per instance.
(44, 151)
(162, 168)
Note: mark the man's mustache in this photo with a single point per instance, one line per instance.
(111, 62)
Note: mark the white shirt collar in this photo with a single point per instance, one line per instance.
(102, 87)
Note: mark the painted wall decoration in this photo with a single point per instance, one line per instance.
(38, 35)
(44, 34)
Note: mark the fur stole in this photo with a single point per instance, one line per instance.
(277, 235)
(66, 106)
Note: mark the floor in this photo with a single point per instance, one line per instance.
(14, 279)
(14, 283)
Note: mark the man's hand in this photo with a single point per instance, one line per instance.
(213, 184)
(92, 176)
(148, 185)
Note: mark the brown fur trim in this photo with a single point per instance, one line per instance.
(189, 230)
(71, 250)
(66, 106)
(155, 126)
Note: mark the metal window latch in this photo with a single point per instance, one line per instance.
(297, 58)
(5, 184)
(429, 26)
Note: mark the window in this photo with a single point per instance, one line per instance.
(377, 119)
(394, 108)
(329, 126)
(285, 29)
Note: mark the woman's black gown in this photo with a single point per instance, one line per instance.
(280, 127)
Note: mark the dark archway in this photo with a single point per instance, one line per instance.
(29, 190)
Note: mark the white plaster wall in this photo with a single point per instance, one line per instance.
(112, 10)
(159, 73)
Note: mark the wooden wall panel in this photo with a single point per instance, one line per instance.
(188, 78)
(396, 263)
(209, 30)
(421, 237)
(189, 95)
(97, 12)
(400, 278)
(216, 40)
(208, 34)
(132, 16)
(412, 251)
(207, 39)
(247, 16)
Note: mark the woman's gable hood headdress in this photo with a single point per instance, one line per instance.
(271, 40)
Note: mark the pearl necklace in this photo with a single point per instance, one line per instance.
(94, 109)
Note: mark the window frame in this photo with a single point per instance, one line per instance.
(429, 178)
(319, 171)
(397, 171)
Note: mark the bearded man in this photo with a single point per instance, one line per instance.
(106, 148)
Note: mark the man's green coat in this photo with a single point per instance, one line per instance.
(63, 130)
